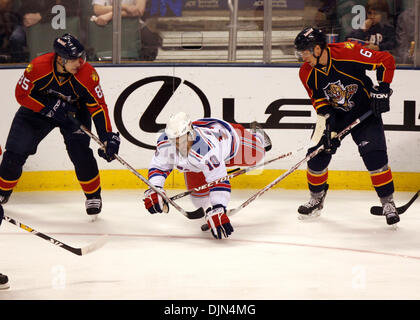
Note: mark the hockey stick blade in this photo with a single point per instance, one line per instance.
(99, 243)
(377, 210)
(196, 214)
(78, 251)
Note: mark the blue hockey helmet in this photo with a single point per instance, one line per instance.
(308, 38)
(69, 48)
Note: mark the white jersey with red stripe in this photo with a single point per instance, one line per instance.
(216, 143)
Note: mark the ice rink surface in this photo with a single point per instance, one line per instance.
(346, 253)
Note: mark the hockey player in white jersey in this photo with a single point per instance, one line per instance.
(203, 149)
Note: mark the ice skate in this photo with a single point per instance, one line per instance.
(4, 199)
(256, 128)
(4, 282)
(390, 213)
(93, 207)
(313, 207)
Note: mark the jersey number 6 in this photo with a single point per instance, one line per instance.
(365, 53)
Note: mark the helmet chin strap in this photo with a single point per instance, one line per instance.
(191, 135)
(318, 65)
(62, 65)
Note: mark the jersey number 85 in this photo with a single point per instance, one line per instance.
(24, 82)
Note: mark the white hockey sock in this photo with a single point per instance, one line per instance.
(198, 202)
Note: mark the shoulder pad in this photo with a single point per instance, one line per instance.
(200, 146)
(40, 66)
(163, 141)
(88, 75)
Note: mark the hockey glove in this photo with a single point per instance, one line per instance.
(327, 139)
(58, 110)
(154, 202)
(112, 145)
(331, 143)
(218, 221)
(379, 98)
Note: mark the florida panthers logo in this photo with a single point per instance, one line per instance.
(339, 96)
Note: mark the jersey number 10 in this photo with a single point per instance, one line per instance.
(213, 163)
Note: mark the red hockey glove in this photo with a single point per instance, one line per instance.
(154, 202)
(218, 221)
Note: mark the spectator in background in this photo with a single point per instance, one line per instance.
(10, 21)
(34, 12)
(326, 16)
(166, 8)
(40, 11)
(150, 41)
(129, 8)
(378, 31)
(405, 36)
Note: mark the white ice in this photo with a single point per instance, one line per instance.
(346, 253)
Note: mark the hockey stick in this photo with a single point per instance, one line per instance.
(196, 214)
(199, 213)
(232, 174)
(377, 210)
(79, 251)
(207, 185)
(318, 150)
(231, 212)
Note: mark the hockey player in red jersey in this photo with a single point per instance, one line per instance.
(53, 88)
(334, 76)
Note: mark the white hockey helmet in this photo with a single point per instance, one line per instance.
(178, 125)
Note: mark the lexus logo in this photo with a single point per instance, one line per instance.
(147, 121)
(159, 97)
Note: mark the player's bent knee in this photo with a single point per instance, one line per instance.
(11, 159)
(79, 153)
(375, 159)
(320, 162)
(202, 200)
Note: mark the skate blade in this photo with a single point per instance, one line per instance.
(393, 227)
(4, 286)
(93, 217)
(311, 216)
(393, 221)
